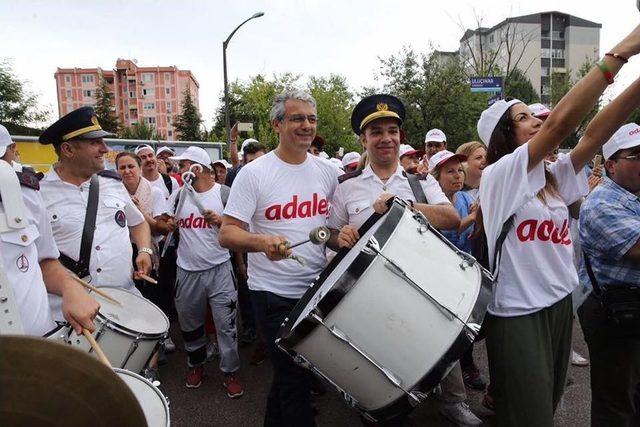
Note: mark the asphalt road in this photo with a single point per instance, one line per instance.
(210, 406)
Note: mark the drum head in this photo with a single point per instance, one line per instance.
(44, 383)
(136, 313)
(153, 403)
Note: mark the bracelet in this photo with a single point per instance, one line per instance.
(617, 56)
(606, 71)
(145, 251)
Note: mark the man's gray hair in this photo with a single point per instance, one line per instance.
(277, 109)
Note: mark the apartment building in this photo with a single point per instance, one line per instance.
(150, 94)
(541, 43)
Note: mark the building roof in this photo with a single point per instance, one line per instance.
(534, 18)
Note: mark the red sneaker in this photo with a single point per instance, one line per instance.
(194, 377)
(234, 388)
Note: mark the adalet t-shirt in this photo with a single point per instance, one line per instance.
(282, 199)
(536, 268)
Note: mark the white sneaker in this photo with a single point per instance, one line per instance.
(212, 351)
(169, 345)
(578, 360)
(460, 414)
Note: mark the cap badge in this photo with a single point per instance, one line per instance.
(94, 120)
(382, 107)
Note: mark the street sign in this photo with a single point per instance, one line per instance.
(486, 84)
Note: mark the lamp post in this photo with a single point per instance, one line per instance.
(227, 119)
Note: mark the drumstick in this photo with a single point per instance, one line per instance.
(96, 347)
(96, 290)
(147, 278)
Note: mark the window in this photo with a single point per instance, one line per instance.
(546, 53)
(150, 120)
(132, 94)
(545, 71)
(167, 77)
(168, 120)
(491, 38)
(167, 91)
(149, 106)
(67, 79)
(169, 133)
(557, 53)
(68, 93)
(87, 78)
(169, 107)
(147, 77)
(148, 92)
(86, 93)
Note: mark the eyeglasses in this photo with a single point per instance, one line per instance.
(633, 158)
(300, 118)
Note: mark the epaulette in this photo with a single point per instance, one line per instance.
(28, 179)
(106, 173)
(349, 175)
(419, 176)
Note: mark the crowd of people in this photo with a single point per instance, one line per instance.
(216, 236)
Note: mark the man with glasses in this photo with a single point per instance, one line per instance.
(277, 199)
(610, 234)
(434, 141)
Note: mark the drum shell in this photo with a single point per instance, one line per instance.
(153, 403)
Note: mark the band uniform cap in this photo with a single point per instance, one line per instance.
(142, 147)
(78, 124)
(224, 163)
(442, 157)
(490, 117)
(165, 149)
(195, 155)
(628, 136)
(5, 140)
(435, 135)
(375, 107)
(539, 110)
(407, 150)
(350, 159)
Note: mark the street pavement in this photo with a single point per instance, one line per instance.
(210, 406)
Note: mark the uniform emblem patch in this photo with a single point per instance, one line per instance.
(22, 263)
(121, 218)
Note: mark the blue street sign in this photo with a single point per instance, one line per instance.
(486, 84)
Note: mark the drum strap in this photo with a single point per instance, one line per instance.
(416, 188)
(497, 255)
(81, 267)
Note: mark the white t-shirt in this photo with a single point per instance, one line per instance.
(160, 185)
(279, 198)
(537, 268)
(199, 248)
(354, 198)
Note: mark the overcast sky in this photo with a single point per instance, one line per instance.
(310, 37)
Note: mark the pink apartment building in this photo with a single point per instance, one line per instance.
(151, 94)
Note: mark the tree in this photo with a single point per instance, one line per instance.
(17, 104)
(104, 107)
(139, 130)
(188, 123)
(435, 93)
(518, 86)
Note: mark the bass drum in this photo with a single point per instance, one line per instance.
(387, 319)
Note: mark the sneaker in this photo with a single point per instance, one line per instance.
(152, 375)
(259, 354)
(233, 386)
(460, 414)
(212, 351)
(169, 345)
(473, 379)
(578, 360)
(194, 377)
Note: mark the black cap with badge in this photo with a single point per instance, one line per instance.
(375, 107)
(78, 124)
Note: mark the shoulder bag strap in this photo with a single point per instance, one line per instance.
(89, 227)
(594, 283)
(497, 255)
(416, 188)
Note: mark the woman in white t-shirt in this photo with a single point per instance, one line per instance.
(530, 314)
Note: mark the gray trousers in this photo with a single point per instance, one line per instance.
(452, 386)
(193, 290)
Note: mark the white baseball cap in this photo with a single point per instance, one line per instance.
(337, 163)
(442, 157)
(628, 136)
(141, 147)
(407, 150)
(247, 142)
(196, 155)
(224, 163)
(491, 116)
(163, 149)
(350, 159)
(539, 110)
(435, 135)
(5, 140)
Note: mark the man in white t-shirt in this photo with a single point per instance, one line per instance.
(204, 273)
(279, 198)
(167, 184)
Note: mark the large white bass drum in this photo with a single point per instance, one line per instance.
(387, 319)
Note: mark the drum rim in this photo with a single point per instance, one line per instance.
(163, 398)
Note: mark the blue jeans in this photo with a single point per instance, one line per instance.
(289, 399)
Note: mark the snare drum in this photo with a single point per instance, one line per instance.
(153, 403)
(127, 334)
(387, 319)
(59, 333)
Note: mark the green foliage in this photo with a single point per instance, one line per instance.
(517, 85)
(104, 107)
(139, 131)
(188, 124)
(435, 93)
(17, 104)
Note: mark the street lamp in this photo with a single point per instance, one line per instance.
(227, 120)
